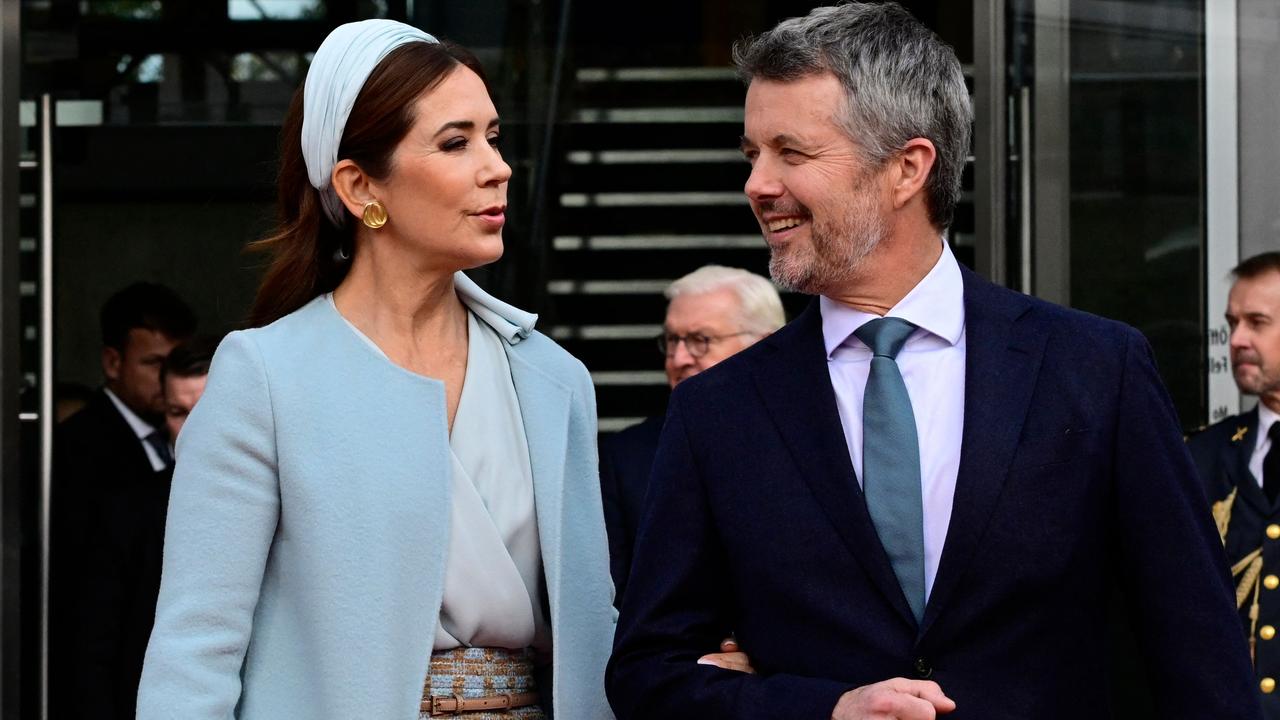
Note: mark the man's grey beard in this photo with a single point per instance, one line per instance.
(1263, 385)
(836, 253)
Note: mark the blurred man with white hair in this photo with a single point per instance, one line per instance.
(712, 313)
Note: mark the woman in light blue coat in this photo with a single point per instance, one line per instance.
(386, 503)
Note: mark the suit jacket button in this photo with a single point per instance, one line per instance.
(923, 669)
(1267, 685)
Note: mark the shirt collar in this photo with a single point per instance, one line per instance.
(140, 427)
(1266, 416)
(935, 304)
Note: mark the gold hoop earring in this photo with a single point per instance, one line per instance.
(373, 215)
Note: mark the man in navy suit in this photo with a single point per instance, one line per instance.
(917, 497)
(712, 313)
(110, 460)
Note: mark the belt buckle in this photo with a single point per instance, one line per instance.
(434, 709)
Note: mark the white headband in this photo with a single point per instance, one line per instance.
(336, 75)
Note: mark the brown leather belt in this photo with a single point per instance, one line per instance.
(457, 704)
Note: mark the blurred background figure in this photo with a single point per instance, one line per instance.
(124, 561)
(1238, 459)
(712, 313)
(183, 379)
(107, 453)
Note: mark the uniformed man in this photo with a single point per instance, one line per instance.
(1239, 461)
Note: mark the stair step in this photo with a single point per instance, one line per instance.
(665, 75)
(656, 242)
(652, 199)
(657, 219)
(599, 266)
(598, 136)
(631, 400)
(608, 287)
(717, 177)
(654, 115)
(727, 92)
(629, 312)
(641, 158)
(609, 425)
(629, 377)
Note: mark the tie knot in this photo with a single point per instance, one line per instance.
(159, 442)
(885, 336)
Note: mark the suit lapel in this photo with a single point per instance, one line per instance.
(119, 436)
(1002, 360)
(544, 411)
(1237, 454)
(796, 387)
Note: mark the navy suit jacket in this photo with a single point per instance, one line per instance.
(626, 458)
(1073, 477)
(107, 533)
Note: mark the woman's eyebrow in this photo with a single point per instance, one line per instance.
(464, 125)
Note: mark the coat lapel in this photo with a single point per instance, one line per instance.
(1002, 360)
(796, 387)
(118, 434)
(1237, 453)
(544, 410)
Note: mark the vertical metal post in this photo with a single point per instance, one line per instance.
(46, 382)
(1051, 151)
(12, 588)
(1025, 212)
(990, 139)
(1222, 195)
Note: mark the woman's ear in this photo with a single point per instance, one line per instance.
(354, 187)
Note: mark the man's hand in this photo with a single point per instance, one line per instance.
(896, 699)
(730, 657)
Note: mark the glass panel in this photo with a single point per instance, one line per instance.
(130, 9)
(279, 9)
(1107, 97)
(1137, 163)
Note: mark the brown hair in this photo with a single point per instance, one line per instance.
(1257, 265)
(304, 244)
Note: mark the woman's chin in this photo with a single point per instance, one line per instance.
(484, 252)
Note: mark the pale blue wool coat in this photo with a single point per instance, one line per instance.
(308, 526)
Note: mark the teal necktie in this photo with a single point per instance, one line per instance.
(891, 458)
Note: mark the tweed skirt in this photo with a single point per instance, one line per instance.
(483, 672)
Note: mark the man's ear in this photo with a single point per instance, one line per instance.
(354, 187)
(111, 361)
(912, 166)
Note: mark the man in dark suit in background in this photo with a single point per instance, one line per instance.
(916, 498)
(124, 562)
(111, 452)
(712, 313)
(1239, 462)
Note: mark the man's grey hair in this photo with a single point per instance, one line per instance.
(758, 301)
(900, 80)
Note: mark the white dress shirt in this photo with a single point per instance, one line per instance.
(1266, 416)
(932, 366)
(141, 428)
